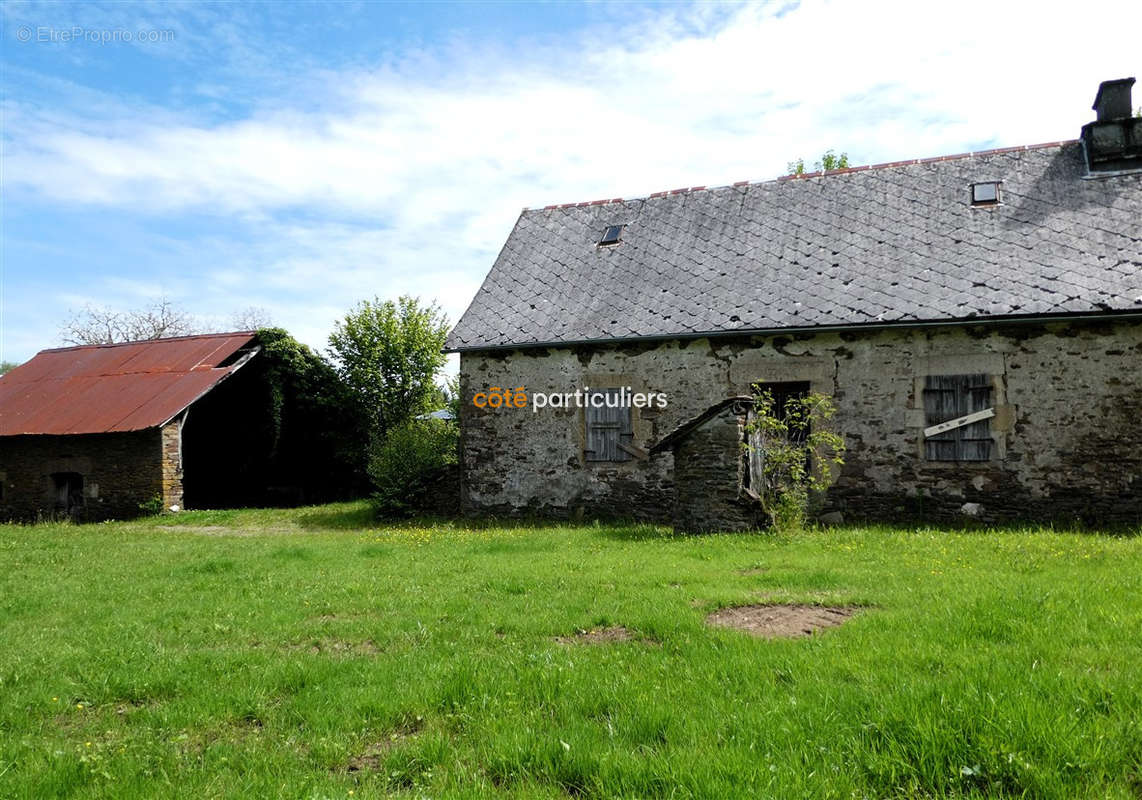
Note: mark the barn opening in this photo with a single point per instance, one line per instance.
(68, 491)
(225, 446)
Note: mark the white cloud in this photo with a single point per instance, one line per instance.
(408, 177)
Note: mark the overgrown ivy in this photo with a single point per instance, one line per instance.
(312, 426)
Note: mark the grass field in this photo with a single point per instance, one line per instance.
(311, 653)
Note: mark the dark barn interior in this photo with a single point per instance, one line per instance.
(226, 445)
(259, 440)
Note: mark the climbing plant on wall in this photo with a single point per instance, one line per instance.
(312, 425)
(794, 450)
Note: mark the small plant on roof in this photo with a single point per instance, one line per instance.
(828, 161)
(793, 452)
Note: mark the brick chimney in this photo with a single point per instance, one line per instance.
(1113, 142)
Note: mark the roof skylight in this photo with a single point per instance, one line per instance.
(612, 235)
(985, 193)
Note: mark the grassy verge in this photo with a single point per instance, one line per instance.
(310, 653)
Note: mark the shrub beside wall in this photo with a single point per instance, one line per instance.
(414, 468)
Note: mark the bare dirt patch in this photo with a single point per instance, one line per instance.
(780, 621)
(338, 647)
(205, 530)
(372, 756)
(615, 633)
(340, 616)
(123, 709)
(222, 530)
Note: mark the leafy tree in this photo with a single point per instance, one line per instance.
(794, 451)
(388, 354)
(103, 325)
(452, 396)
(7, 366)
(828, 162)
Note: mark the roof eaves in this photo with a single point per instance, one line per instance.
(229, 334)
(862, 326)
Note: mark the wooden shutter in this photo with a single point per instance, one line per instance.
(949, 397)
(606, 428)
(754, 477)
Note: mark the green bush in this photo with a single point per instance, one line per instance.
(152, 507)
(406, 463)
(794, 451)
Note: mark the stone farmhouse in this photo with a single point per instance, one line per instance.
(102, 431)
(998, 292)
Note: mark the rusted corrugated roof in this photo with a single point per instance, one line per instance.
(115, 387)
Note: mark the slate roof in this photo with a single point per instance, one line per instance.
(894, 243)
(116, 387)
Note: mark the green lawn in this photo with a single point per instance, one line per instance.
(311, 653)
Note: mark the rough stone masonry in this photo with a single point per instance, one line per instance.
(121, 472)
(1067, 433)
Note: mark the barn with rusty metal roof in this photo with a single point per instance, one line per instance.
(975, 317)
(105, 430)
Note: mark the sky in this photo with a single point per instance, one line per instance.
(301, 157)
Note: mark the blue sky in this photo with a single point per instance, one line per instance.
(300, 157)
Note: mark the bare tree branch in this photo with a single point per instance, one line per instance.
(251, 318)
(105, 325)
(160, 320)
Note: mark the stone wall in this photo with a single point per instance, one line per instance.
(1068, 436)
(708, 467)
(120, 471)
(171, 435)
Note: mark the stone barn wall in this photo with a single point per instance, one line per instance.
(708, 473)
(120, 471)
(171, 436)
(1067, 435)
